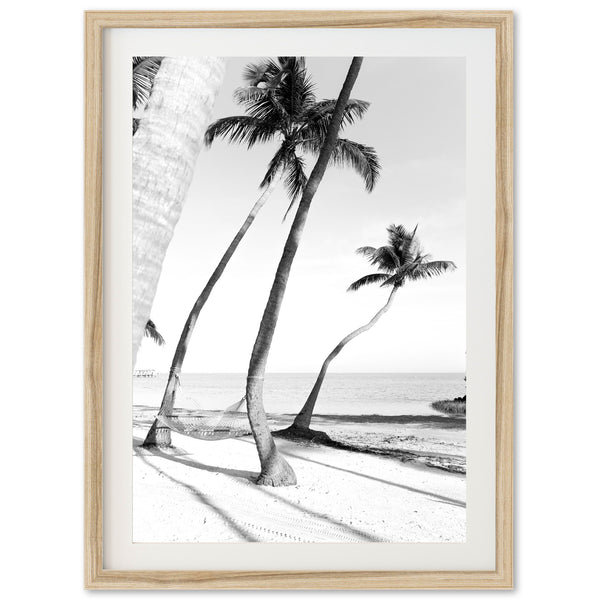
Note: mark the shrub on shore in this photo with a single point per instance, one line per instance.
(458, 406)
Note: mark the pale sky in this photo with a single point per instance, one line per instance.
(416, 123)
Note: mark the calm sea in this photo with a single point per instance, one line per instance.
(341, 394)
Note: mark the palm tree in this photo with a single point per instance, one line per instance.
(401, 260)
(275, 470)
(280, 104)
(165, 148)
(144, 70)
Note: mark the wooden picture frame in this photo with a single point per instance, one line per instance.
(96, 577)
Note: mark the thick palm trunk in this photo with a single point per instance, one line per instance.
(302, 420)
(165, 149)
(159, 435)
(274, 469)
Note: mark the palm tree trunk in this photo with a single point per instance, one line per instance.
(165, 149)
(274, 468)
(302, 420)
(159, 435)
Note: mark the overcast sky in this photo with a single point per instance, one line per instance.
(416, 123)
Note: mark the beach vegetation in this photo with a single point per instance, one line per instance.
(458, 406)
(177, 97)
(401, 260)
(275, 470)
(144, 70)
(280, 105)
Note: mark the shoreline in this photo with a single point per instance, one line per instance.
(428, 441)
(425, 441)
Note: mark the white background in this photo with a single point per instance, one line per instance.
(557, 325)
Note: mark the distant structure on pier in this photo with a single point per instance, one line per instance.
(145, 373)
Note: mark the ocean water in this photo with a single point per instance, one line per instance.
(341, 394)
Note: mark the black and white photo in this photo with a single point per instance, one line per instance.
(299, 299)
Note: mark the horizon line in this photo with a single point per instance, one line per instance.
(313, 372)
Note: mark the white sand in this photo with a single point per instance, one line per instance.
(204, 492)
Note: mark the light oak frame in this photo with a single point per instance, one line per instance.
(96, 577)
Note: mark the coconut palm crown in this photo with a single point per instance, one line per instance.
(401, 260)
(280, 104)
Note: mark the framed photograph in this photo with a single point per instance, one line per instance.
(298, 268)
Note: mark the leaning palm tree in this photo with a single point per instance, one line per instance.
(401, 260)
(166, 145)
(275, 470)
(280, 104)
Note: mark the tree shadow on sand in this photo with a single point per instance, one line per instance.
(170, 455)
(431, 495)
(202, 498)
(354, 531)
(343, 530)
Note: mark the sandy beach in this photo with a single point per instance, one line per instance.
(393, 487)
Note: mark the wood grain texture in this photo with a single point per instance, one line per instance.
(504, 300)
(345, 19)
(95, 576)
(93, 301)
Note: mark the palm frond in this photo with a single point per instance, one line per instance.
(412, 249)
(295, 180)
(367, 251)
(290, 63)
(277, 163)
(144, 69)
(318, 117)
(363, 159)
(264, 71)
(265, 106)
(264, 97)
(277, 72)
(262, 103)
(151, 332)
(416, 271)
(386, 259)
(249, 94)
(367, 280)
(241, 129)
(259, 98)
(254, 73)
(410, 252)
(398, 234)
(399, 277)
(403, 242)
(432, 269)
(295, 91)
